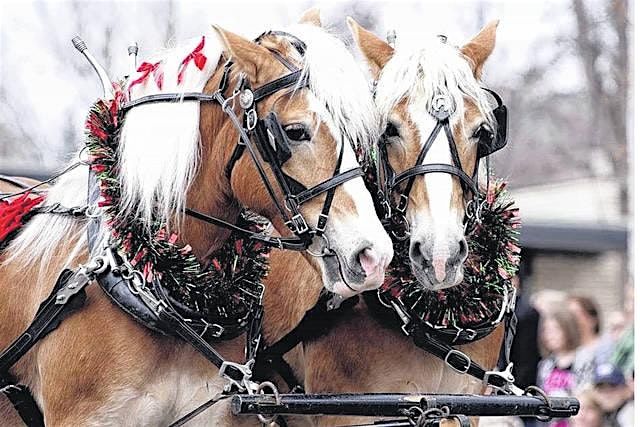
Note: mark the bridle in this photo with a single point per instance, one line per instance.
(264, 138)
(388, 181)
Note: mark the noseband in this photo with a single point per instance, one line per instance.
(441, 109)
(265, 139)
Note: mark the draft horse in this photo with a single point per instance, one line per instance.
(364, 352)
(311, 103)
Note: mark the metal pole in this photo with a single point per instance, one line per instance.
(395, 405)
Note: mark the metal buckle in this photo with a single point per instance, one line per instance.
(322, 223)
(252, 119)
(402, 203)
(507, 376)
(461, 355)
(245, 383)
(299, 224)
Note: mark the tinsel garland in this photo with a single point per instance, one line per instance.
(225, 289)
(493, 260)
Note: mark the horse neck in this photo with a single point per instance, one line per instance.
(210, 191)
(291, 288)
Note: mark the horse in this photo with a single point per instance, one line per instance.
(100, 367)
(363, 353)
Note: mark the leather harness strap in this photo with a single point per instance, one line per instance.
(22, 400)
(317, 321)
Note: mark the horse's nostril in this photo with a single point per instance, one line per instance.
(415, 252)
(369, 261)
(463, 250)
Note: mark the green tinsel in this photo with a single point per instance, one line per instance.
(225, 289)
(492, 262)
(494, 258)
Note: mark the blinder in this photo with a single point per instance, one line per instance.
(272, 141)
(499, 140)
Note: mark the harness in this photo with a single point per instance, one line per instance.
(265, 140)
(441, 109)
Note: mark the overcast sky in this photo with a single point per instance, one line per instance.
(44, 81)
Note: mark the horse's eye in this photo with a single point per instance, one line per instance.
(484, 133)
(391, 131)
(297, 132)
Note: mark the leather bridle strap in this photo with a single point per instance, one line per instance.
(422, 169)
(274, 86)
(291, 243)
(435, 168)
(328, 185)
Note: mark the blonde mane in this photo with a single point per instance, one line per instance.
(326, 58)
(160, 143)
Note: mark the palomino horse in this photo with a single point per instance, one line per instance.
(362, 354)
(100, 367)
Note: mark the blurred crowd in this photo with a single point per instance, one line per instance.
(586, 356)
(564, 346)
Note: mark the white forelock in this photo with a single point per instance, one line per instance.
(422, 68)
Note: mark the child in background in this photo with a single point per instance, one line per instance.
(559, 339)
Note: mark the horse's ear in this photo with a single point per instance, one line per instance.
(312, 17)
(249, 56)
(375, 50)
(480, 47)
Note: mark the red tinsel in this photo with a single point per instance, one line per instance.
(12, 212)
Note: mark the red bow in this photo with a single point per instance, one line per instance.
(148, 68)
(198, 58)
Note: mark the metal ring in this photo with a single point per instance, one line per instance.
(276, 394)
(407, 234)
(93, 211)
(325, 249)
(252, 119)
(534, 391)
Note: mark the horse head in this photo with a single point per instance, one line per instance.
(438, 123)
(305, 107)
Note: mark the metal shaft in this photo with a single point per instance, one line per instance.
(394, 405)
(107, 86)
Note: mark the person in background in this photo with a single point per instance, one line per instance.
(622, 355)
(559, 339)
(614, 395)
(591, 413)
(593, 348)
